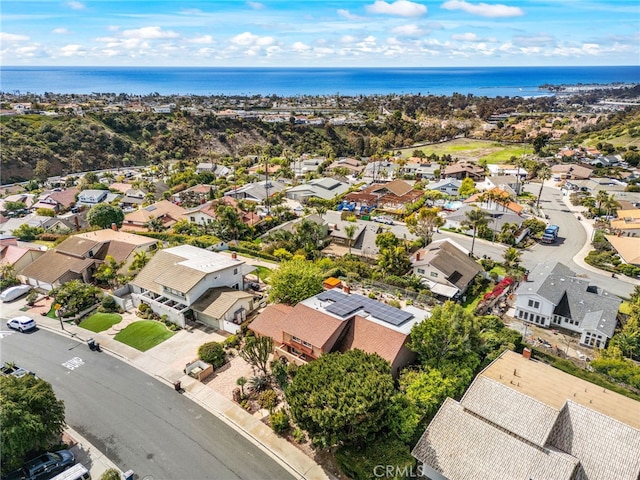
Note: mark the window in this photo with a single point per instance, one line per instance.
(421, 271)
(434, 274)
(235, 271)
(296, 339)
(173, 292)
(533, 304)
(193, 219)
(307, 344)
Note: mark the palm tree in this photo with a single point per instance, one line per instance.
(512, 257)
(601, 199)
(544, 173)
(155, 225)
(140, 259)
(350, 231)
(475, 219)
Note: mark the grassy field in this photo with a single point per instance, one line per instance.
(144, 334)
(99, 322)
(469, 149)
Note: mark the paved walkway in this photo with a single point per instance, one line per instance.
(166, 362)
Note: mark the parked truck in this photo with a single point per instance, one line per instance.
(550, 234)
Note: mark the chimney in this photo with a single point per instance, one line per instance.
(418, 255)
(234, 255)
(114, 227)
(526, 353)
(346, 289)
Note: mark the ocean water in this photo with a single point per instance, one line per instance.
(479, 81)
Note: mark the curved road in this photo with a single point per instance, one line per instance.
(572, 238)
(136, 421)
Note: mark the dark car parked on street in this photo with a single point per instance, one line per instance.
(44, 466)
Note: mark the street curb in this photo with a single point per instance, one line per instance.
(89, 447)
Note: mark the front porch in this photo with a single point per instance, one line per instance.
(162, 305)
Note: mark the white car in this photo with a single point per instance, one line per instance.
(385, 220)
(12, 293)
(22, 324)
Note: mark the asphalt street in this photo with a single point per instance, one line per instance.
(571, 238)
(135, 420)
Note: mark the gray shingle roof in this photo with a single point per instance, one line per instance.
(607, 449)
(494, 402)
(463, 446)
(574, 297)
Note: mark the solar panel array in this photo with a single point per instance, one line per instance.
(346, 305)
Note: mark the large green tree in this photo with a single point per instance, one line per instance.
(342, 398)
(424, 222)
(104, 215)
(31, 417)
(294, 281)
(75, 296)
(449, 333)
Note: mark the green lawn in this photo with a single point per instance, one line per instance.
(52, 313)
(263, 272)
(144, 334)
(99, 322)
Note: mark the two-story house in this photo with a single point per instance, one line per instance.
(445, 268)
(448, 186)
(179, 279)
(337, 321)
(553, 296)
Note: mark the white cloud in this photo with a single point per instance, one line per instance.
(76, 5)
(11, 37)
(256, 5)
(249, 39)
(72, 50)
(300, 47)
(466, 37)
(348, 39)
(60, 31)
(408, 31)
(483, 9)
(113, 28)
(149, 33)
(191, 11)
(204, 39)
(347, 14)
(401, 8)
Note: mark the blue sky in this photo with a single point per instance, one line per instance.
(371, 33)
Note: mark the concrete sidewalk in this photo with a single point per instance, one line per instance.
(86, 454)
(166, 362)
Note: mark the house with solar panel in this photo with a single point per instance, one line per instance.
(338, 321)
(553, 296)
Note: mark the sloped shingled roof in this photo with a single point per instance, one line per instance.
(574, 297)
(519, 426)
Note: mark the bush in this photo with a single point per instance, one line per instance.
(298, 435)
(32, 297)
(110, 474)
(108, 304)
(359, 462)
(268, 399)
(394, 303)
(213, 353)
(259, 383)
(279, 421)
(232, 341)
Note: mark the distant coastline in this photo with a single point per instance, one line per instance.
(478, 81)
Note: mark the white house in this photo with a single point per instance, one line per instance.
(553, 296)
(448, 186)
(178, 277)
(324, 188)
